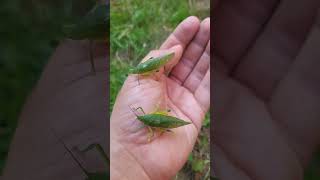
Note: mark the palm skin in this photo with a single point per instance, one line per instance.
(65, 84)
(186, 97)
(266, 88)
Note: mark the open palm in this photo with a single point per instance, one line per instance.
(266, 90)
(186, 92)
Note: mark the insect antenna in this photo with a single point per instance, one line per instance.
(132, 110)
(140, 109)
(70, 152)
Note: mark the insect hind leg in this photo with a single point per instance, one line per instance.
(169, 130)
(166, 72)
(133, 110)
(150, 133)
(93, 68)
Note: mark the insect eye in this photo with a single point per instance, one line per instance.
(169, 110)
(150, 58)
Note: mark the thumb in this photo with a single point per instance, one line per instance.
(177, 56)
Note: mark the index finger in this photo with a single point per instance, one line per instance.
(183, 34)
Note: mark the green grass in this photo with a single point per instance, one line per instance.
(138, 26)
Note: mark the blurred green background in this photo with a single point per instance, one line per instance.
(30, 31)
(138, 26)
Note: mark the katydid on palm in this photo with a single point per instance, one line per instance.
(152, 65)
(94, 26)
(158, 120)
(90, 176)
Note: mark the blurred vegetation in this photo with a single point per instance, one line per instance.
(29, 32)
(138, 26)
(313, 171)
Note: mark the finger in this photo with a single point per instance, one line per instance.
(175, 60)
(199, 71)
(186, 102)
(183, 34)
(237, 24)
(241, 119)
(202, 93)
(224, 167)
(192, 53)
(71, 52)
(296, 101)
(71, 60)
(277, 46)
(76, 51)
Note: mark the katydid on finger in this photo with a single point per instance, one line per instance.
(90, 175)
(94, 26)
(159, 120)
(152, 65)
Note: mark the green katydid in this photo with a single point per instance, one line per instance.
(158, 120)
(152, 65)
(90, 176)
(94, 26)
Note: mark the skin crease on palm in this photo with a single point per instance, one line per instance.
(266, 88)
(186, 92)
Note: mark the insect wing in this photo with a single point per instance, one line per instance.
(162, 121)
(152, 64)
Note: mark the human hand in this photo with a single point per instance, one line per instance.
(266, 88)
(186, 92)
(70, 100)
